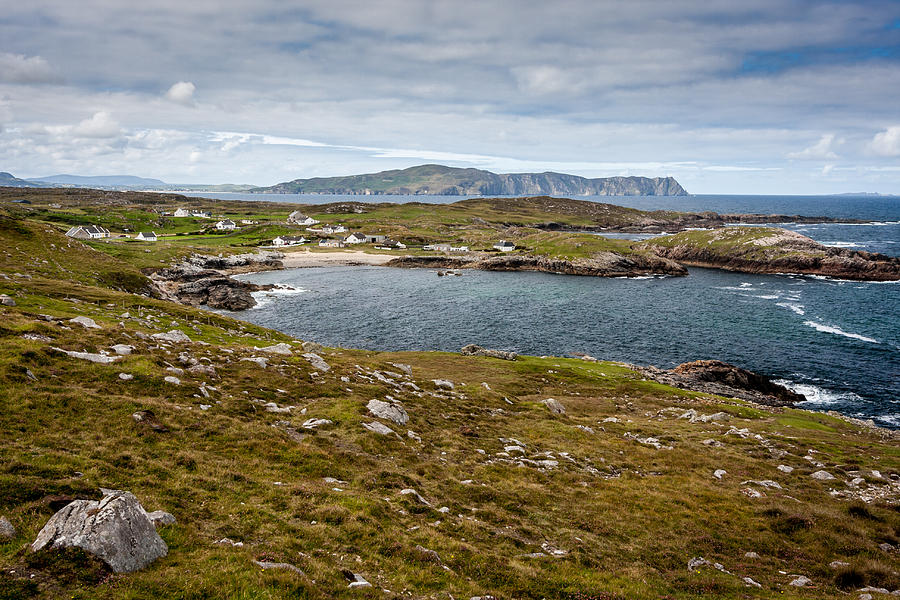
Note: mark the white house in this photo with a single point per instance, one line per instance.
(391, 245)
(299, 218)
(459, 248)
(201, 214)
(329, 229)
(504, 246)
(226, 225)
(331, 243)
(88, 232)
(289, 240)
(249, 222)
(146, 236)
(182, 212)
(356, 238)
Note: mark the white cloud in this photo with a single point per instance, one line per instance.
(101, 125)
(18, 68)
(182, 93)
(821, 150)
(886, 143)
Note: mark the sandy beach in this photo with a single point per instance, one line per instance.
(296, 260)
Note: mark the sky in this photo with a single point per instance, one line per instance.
(749, 97)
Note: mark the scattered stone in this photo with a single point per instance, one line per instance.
(403, 367)
(838, 564)
(696, 417)
(274, 408)
(823, 476)
(886, 547)
(751, 583)
(766, 483)
(148, 418)
(172, 379)
(116, 529)
(281, 348)
(697, 562)
(356, 580)
(413, 435)
(785, 469)
(161, 518)
(416, 495)
(585, 428)
(720, 473)
(122, 349)
(751, 493)
(800, 581)
(96, 358)
(264, 565)
(711, 442)
(86, 322)
(390, 411)
(379, 428)
(36, 337)
(313, 423)
(312, 347)
(443, 384)
(554, 406)
(751, 555)
(262, 362)
(610, 420)
(7, 531)
(474, 350)
(201, 369)
(229, 542)
(874, 590)
(126, 376)
(30, 375)
(317, 362)
(6, 300)
(174, 335)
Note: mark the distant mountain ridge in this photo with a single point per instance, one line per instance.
(452, 181)
(98, 180)
(9, 180)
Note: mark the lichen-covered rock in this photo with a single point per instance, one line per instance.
(91, 356)
(116, 529)
(281, 348)
(174, 335)
(7, 531)
(475, 350)
(554, 406)
(86, 322)
(317, 362)
(161, 518)
(390, 411)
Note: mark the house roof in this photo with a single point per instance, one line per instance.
(505, 244)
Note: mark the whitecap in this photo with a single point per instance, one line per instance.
(841, 244)
(892, 420)
(769, 297)
(818, 395)
(839, 331)
(797, 308)
(266, 296)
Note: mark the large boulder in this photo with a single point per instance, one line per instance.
(390, 411)
(116, 530)
(475, 350)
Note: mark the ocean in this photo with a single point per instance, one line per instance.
(837, 342)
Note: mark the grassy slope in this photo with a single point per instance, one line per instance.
(629, 516)
(741, 242)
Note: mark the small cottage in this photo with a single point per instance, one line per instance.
(298, 218)
(182, 212)
(226, 225)
(356, 238)
(331, 243)
(391, 245)
(289, 240)
(146, 236)
(504, 246)
(88, 232)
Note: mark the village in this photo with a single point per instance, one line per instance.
(322, 235)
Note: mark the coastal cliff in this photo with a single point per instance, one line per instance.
(451, 181)
(771, 250)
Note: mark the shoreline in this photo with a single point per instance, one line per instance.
(353, 258)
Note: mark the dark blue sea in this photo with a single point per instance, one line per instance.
(837, 342)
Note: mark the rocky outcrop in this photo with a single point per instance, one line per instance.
(602, 264)
(203, 279)
(475, 350)
(723, 379)
(116, 529)
(769, 250)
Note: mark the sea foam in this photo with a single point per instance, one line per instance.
(818, 395)
(839, 331)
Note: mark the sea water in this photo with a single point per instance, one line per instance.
(836, 342)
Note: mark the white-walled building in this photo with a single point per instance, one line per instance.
(226, 225)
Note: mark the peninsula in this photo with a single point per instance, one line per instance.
(450, 181)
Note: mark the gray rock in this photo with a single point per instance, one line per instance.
(379, 428)
(356, 580)
(262, 362)
(800, 581)
(475, 350)
(313, 423)
(172, 379)
(264, 565)
(274, 408)
(161, 518)
(6, 300)
(751, 583)
(116, 529)
(86, 322)
(175, 335)
(126, 376)
(554, 406)
(386, 410)
(317, 362)
(122, 349)
(416, 495)
(443, 383)
(403, 367)
(838, 564)
(720, 473)
(7, 531)
(785, 468)
(281, 348)
(823, 476)
(312, 347)
(97, 358)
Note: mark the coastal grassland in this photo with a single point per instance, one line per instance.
(628, 500)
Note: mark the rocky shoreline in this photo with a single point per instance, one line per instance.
(604, 264)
